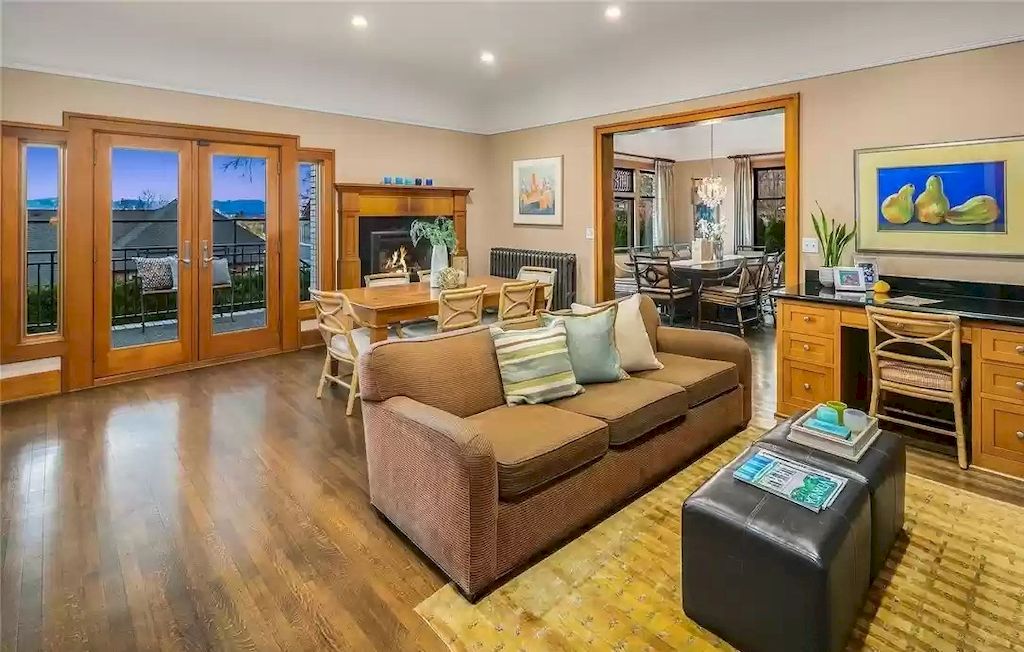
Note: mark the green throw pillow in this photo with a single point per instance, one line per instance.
(591, 345)
(534, 363)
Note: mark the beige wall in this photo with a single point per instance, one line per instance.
(953, 97)
(684, 173)
(365, 150)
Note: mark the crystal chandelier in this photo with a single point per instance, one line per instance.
(711, 189)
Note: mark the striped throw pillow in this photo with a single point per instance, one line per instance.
(534, 363)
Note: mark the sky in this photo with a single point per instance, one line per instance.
(41, 171)
(135, 170)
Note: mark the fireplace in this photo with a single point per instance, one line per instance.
(385, 246)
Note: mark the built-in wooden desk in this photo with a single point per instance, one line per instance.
(815, 366)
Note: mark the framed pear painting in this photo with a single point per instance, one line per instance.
(964, 199)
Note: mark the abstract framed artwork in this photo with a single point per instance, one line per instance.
(537, 191)
(964, 198)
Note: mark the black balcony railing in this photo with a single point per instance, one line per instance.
(42, 278)
(247, 291)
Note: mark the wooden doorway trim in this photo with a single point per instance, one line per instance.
(604, 214)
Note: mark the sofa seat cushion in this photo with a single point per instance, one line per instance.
(631, 407)
(701, 378)
(535, 444)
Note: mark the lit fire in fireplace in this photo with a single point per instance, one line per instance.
(397, 262)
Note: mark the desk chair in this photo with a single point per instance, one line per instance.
(906, 359)
(345, 337)
(542, 275)
(653, 275)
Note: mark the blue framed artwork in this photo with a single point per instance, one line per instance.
(962, 198)
(537, 191)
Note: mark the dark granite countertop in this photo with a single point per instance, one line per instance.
(970, 307)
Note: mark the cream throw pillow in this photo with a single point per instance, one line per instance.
(631, 340)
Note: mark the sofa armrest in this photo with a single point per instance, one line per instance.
(435, 477)
(712, 345)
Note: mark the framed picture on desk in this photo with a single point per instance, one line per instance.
(962, 198)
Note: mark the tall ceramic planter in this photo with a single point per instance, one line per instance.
(825, 277)
(438, 261)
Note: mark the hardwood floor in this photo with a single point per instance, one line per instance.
(226, 508)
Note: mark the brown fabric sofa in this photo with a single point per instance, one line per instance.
(481, 487)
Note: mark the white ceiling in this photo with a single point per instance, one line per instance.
(759, 134)
(418, 62)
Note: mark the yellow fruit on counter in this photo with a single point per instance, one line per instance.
(898, 208)
(982, 209)
(881, 287)
(932, 205)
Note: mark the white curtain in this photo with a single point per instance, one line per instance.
(664, 189)
(743, 195)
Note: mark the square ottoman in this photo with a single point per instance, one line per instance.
(883, 468)
(768, 575)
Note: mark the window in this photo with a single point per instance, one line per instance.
(309, 228)
(770, 207)
(634, 195)
(41, 190)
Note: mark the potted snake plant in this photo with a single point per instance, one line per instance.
(440, 232)
(833, 239)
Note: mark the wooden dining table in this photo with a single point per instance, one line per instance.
(379, 306)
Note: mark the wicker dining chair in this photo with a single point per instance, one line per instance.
(345, 338)
(543, 275)
(517, 299)
(738, 290)
(653, 276)
(460, 308)
(909, 357)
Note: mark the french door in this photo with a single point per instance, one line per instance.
(186, 252)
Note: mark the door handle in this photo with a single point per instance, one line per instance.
(206, 253)
(186, 258)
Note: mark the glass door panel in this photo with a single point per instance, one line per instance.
(144, 234)
(143, 274)
(238, 249)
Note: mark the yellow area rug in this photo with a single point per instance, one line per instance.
(955, 582)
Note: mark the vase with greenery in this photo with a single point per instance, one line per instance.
(833, 239)
(440, 232)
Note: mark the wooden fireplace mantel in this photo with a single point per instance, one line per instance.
(368, 200)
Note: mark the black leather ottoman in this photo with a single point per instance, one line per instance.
(883, 468)
(768, 575)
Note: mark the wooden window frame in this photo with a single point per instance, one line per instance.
(16, 344)
(634, 198)
(327, 243)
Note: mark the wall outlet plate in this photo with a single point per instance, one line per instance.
(809, 246)
(590, 233)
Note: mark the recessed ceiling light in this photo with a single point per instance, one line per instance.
(613, 12)
(487, 57)
(359, 21)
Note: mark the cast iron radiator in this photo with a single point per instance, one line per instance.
(506, 262)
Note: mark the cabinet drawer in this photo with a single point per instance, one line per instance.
(1002, 428)
(1003, 380)
(807, 348)
(806, 385)
(1002, 346)
(802, 318)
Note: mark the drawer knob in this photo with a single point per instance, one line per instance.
(808, 318)
(808, 348)
(1020, 435)
(807, 385)
(1020, 385)
(1020, 349)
